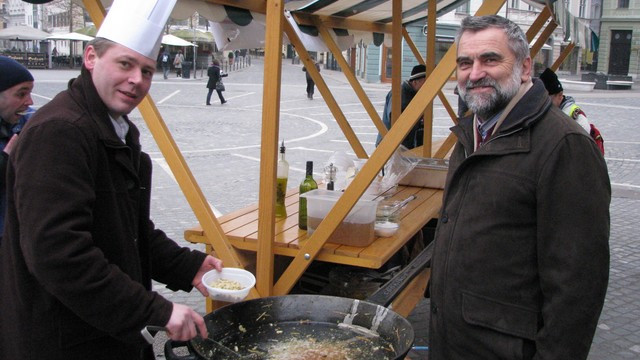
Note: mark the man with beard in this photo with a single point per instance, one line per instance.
(80, 249)
(521, 258)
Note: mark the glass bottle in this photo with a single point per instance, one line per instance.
(282, 176)
(307, 184)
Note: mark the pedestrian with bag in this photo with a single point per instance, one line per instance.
(80, 250)
(310, 83)
(215, 81)
(177, 63)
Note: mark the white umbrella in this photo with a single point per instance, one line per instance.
(22, 32)
(175, 41)
(70, 36)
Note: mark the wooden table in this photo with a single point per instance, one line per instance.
(241, 228)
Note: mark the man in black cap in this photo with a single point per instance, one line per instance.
(16, 84)
(409, 89)
(568, 105)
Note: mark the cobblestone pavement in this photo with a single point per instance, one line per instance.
(221, 146)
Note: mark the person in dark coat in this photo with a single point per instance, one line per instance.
(80, 250)
(521, 256)
(16, 83)
(407, 92)
(215, 75)
(310, 83)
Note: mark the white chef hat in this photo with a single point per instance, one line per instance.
(137, 25)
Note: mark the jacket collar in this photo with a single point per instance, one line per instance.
(84, 92)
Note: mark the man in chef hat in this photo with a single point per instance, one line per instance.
(79, 249)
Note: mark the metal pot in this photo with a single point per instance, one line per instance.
(312, 323)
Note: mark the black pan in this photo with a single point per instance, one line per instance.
(307, 325)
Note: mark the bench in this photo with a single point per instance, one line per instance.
(577, 85)
(619, 84)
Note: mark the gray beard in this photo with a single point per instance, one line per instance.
(487, 105)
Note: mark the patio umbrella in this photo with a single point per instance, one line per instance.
(22, 32)
(175, 41)
(70, 36)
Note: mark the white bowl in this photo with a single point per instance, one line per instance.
(244, 277)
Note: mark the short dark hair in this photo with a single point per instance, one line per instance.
(517, 40)
(101, 45)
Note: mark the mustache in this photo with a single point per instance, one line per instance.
(486, 81)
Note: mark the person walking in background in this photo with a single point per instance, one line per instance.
(215, 81)
(310, 83)
(521, 256)
(16, 84)
(569, 106)
(164, 60)
(177, 63)
(80, 249)
(409, 89)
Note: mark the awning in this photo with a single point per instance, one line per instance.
(173, 40)
(70, 36)
(22, 32)
(241, 28)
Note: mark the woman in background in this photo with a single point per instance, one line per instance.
(215, 75)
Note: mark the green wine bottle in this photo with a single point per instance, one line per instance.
(282, 176)
(307, 184)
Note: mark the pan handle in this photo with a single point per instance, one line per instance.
(171, 355)
(385, 295)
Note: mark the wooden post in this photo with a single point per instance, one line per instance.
(396, 61)
(563, 56)
(269, 147)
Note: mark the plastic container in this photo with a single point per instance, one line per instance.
(244, 277)
(357, 229)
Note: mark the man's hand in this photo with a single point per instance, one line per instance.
(209, 263)
(183, 323)
(10, 144)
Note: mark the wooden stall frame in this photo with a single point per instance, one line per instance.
(275, 26)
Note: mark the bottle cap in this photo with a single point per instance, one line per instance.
(282, 147)
(309, 167)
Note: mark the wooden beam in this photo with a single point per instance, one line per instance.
(95, 10)
(563, 56)
(269, 145)
(538, 23)
(342, 23)
(444, 148)
(412, 46)
(326, 93)
(396, 61)
(535, 48)
(448, 107)
(351, 77)
(427, 115)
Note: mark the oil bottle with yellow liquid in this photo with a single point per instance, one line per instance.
(282, 176)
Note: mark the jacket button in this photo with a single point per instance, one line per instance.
(434, 309)
(444, 219)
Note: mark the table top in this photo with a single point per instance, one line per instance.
(241, 228)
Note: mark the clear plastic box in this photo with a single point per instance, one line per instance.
(357, 229)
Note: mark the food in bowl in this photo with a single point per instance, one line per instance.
(226, 284)
(230, 284)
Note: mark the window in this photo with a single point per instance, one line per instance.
(581, 11)
(464, 8)
(515, 4)
(623, 4)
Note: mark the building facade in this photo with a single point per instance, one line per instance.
(619, 48)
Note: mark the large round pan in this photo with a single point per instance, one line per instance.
(311, 326)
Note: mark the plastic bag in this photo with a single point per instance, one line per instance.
(397, 167)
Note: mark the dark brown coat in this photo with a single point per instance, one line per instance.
(79, 249)
(521, 258)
